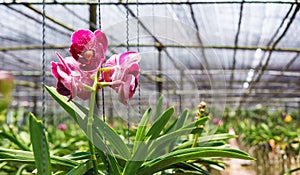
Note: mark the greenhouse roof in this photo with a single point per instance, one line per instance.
(227, 53)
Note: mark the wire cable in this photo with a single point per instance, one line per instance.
(43, 89)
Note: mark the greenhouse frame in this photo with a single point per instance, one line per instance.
(240, 57)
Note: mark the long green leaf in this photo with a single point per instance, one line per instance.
(165, 161)
(78, 156)
(14, 140)
(20, 169)
(167, 139)
(111, 161)
(83, 168)
(196, 123)
(209, 138)
(180, 121)
(141, 131)
(159, 107)
(160, 123)
(27, 156)
(165, 143)
(39, 145)
(199, 170)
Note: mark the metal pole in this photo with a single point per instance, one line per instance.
(93, 16)
(159, 75)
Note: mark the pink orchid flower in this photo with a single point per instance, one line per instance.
(124, 74)
(71, 80)
(89, 49)
(62, 127)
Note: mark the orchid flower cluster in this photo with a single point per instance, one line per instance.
(75, 74)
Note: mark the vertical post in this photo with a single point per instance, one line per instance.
(159, 84)
(93, 16)
(181, 88)
(159, 76)
(34, 97)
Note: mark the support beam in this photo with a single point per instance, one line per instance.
(159, 75)
(186, 72)
(37, 21)
(253, 48)
(182, 2)
(50, 18)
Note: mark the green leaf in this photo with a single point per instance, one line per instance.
(141, 131)
(20, 169)
(159, 106)
(27, 157)
(111, 161)
(204, 139)
(39, 145)
(160, 123)
(167, 160)
(167, 139)
(14, 140)
(78, 156)
(178, 123)
(199, 170)
(213, 144)
(181, 120)
(216, 163)
(16, 155)
(81, 169)
(196, 123)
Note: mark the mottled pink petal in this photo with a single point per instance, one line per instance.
(70, 78)
(129, 58)
(76, 49)
(101, 38)
(124, 74)
(54, 69)
(82, 36)
(89, 49)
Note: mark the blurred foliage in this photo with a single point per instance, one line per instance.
(272, 135)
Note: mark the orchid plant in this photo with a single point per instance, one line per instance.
(166, 146)
(86, 71)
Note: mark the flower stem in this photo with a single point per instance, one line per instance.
(90, 125)
(200, 114)
(195, 140)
